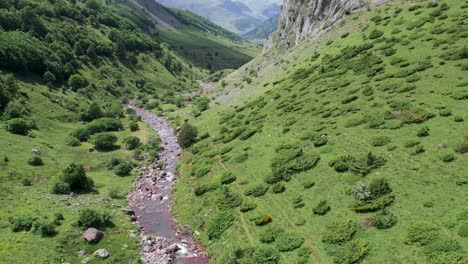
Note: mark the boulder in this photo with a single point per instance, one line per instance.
(101, 253)
(92, 235)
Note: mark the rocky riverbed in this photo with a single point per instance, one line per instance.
(163, 241)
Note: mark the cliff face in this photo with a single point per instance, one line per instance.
(300, 19)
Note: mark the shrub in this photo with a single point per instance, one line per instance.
(123, 168)
(219, 223)
(380, 141)
(445, 112)
(288, 241)
(298, 202)
(104, 124)
(60, 187)
(278, 188)
(247, 205)
(417, 150)
(442, 245)
(77, 81)
(262, 220)
(423, 132)
(187, 135)
(270, 233)
(93, 112)
(204, 188)
(384, 220)
(321, 141)
(35, 161)
(92, 218)
(374, 205)
(379, 187)
(18, 126)
(292, 161)
(448, 157)
(202, 103)
(132, 142)
(44, 228)
(449, 258)
(26, 182)
(228, 177)
(72, 141)
(265, 255)
(308, 184)
(352, 252)
(229, 200)
(421, 234)
(115, 193)
(104, 140)
(256, 190)
(21, 223)
(321, 208)
(339, 232)
(201, 170)
(458, 119)
(133, 126)
(463, 229)
(463, 147)
(362, 165)
(375, 34)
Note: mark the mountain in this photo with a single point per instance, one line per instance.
(237, 16)
(195, 38)
(263, 31)
(345, 142)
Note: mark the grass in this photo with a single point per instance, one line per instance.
(322, 92)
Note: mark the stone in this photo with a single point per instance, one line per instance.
(101, 253)
(81, 253)
(92, 235)
(172, 249)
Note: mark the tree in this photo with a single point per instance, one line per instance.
(72, 178)
(187, 135)
(92, 113)
(18, 126)
(77, 81)
(104, 141)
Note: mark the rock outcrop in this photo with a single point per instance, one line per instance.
(301, 19)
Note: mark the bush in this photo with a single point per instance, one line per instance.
(321, 141)
(228, 177)
(379, 187)
(26, 182)
(256, 190)
(339, 232)
(298, 202)
(18, 126)
(278, 188)
(204, 188)
(72, 142)
(374, 205)
(352, 252)
(77, 81)
(308, 184)
(219, 223)
(133, 126)
(445, 112)
(380, 141)
(384, 220)
(463, 229)
(92, 218)
(442, 245)
(123, 168)
(187, 135)
(202, 103)
(322, 208)
(21, 223)
(93, 112)
(247, 205)
(288, 241)
(201, 170)
(72, 178)
(265, 255)
(362, 165)
(449, 157)
(292, 161)
(104, 140)
(375, 34)
(262, 220)
(417, 150)
(44, 228)
(229, 199)
(35, 161)
(423, 132)
(463, 147)
(421, 234)
(449, 258)
(270, 233)
(131, 143)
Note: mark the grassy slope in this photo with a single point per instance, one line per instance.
(426, 188)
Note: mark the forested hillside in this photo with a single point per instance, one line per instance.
(68, 148)
(348, 147)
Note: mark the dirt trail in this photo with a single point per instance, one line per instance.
(162, 240)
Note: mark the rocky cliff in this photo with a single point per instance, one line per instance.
(300, 19)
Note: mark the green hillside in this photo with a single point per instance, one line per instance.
(200, 41)
(66, 68)
(348, 149)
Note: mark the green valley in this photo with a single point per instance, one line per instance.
(132, 132)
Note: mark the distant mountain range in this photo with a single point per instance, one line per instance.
(238, 16)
